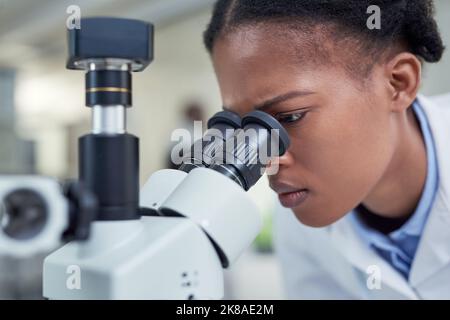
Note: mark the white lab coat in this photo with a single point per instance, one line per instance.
(332, 262)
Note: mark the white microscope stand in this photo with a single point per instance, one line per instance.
(161, 257)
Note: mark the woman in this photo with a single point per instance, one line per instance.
(367, 163)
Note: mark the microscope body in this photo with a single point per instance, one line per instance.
(173, 238)
(210, 221)
(151, 258)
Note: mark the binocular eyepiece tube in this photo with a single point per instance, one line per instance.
(221, 127)
(248, 153)
(239, 149)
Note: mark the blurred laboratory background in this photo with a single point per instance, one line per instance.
(42, 111)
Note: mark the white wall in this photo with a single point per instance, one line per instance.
(182, 71)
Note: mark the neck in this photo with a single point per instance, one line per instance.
(398, 192)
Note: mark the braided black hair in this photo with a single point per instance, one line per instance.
(409, 21)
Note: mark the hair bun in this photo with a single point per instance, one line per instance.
(421, 30)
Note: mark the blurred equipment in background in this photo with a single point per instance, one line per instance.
(19, 278)
(16, 155)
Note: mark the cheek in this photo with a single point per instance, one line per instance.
(342, 152)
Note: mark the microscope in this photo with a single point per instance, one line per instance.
(172, 238)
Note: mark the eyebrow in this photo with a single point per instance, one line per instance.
(278, 99)
(281, 98)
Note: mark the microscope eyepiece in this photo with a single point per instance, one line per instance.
(249, 151)
(220, 127)
(265, 120)
(226, 118)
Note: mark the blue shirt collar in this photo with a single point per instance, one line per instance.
(416, 223)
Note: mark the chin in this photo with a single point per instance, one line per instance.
(315, 218)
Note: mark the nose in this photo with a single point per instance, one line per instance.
(287, 159)
(278, 163)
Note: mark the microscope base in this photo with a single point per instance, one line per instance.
(150, 258)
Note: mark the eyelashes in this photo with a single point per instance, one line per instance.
(290, 118)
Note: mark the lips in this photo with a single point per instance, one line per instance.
(290, 197)
(293, 199)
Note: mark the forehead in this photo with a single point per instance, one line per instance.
(255, 63)
(273, 45)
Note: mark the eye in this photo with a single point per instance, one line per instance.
(290, 118)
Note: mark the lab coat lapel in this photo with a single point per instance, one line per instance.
(433, 252)
(346, 240)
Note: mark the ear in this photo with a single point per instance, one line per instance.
(404, 73)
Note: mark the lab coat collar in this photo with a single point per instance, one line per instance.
(345, 238)
(433, 252)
